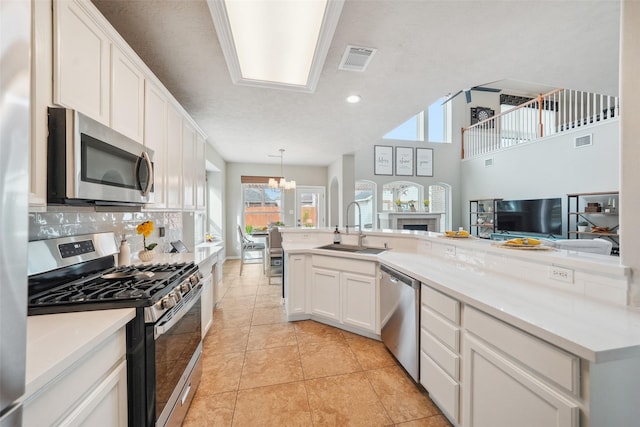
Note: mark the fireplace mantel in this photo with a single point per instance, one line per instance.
(396, 220)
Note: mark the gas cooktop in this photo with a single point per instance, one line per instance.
(117, 287)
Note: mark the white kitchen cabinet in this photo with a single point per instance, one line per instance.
(127, 96)
(174, 158)
(532, 382)
(106, 406)
(325, 293)
(440, 350)
(207, 302)
(81, 61)
(41, 98)
(91, 391)
(189, 166)
(201, 172)
(155, 137)
(499, 393)
(344, 291)
(295, 284)
(358, 300)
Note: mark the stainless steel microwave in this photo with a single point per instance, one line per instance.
(90, 163)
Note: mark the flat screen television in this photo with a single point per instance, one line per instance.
(541, 216)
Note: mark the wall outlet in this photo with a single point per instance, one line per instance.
(561, 274)
(450, 250)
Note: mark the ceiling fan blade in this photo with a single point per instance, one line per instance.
(467, 95)
(486, 89)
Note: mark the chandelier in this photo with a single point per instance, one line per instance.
(281, 183)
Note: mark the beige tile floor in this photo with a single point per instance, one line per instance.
(260, 370)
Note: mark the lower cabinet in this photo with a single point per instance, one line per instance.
(90, 392)
(483, 372)
(440, 350)
(325, 293)
(295, 288)
(207, 302)
(499, 393)
(106, 405)
(358, 300)
(342, 291)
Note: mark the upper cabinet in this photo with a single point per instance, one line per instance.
(41, 90)
(96, 72)
(188, 166)
(81, 61)
(201, 172)
(155, 138)
(127, 96)
(174, 159)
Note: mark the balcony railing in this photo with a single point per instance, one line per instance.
(553, 112)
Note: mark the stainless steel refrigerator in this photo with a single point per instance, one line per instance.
(15, 48)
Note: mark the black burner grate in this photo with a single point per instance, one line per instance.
(136, 285)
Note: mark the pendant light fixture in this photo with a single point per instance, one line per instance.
(281, 183)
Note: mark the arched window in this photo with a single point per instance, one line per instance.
(402, 194)
(366, 198)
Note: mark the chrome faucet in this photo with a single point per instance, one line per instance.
(360, 235)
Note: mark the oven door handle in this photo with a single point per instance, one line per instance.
(163, 327)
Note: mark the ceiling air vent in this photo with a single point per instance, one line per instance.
(356, 58)
(582, 141)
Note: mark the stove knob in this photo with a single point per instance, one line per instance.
(177, 294)
(169, 301)
(185, 286)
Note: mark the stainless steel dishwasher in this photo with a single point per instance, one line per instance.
(400, 315)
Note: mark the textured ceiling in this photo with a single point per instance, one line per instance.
(426, 49)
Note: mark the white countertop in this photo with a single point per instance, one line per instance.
(594, 330)
(56, 341)
(200, 254)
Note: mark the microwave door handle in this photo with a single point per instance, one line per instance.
(146, 158)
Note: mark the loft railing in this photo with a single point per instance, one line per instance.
(553, 112)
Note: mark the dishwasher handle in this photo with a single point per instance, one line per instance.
(396, 276)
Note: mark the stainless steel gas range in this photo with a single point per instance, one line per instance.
(164, 339)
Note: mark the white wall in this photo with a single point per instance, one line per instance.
(446, 169)
(303, 175)
(215, 193)
(549, 167)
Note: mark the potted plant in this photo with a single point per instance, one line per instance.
(426, 205)
(146, 228)
(398, 205)
(412, 205)
(582, 226)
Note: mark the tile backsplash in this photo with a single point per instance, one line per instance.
(49, 225)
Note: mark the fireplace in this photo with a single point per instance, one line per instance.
(425, 221)
(418, 227)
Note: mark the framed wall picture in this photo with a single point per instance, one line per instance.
(404, 161)
(424, 161)
(382, 160)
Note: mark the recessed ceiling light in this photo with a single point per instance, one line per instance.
(353, 99)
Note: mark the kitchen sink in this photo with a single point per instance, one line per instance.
(352, 249)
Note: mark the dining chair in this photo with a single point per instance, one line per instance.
(274, 254)
(247, 246)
